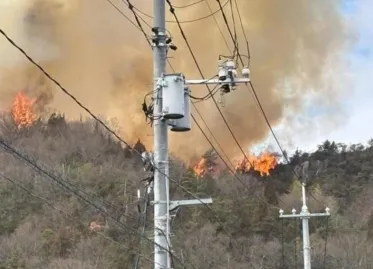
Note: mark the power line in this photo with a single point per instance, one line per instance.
(46, 201)
(124, 15)
(252, 87)
(236, 48)
(243, 31)
(233, 172)
(253, 91)
(95, 117)
(107, 128)
(187, 21)
(195, 107)
(200, 71)
(189, 5)
(234, 28)
(131, 7)
(208, 95)
(66, 92)
(75, 192)
(217, 24)
(172, 10)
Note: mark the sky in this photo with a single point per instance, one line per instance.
(357, 125)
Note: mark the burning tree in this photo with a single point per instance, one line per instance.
(22, 110)
(207, 164)
(262, 164)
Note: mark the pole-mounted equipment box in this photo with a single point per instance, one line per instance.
(173, 106)
(183, 124)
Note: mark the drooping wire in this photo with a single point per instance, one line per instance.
(285, 156)
(218, 26)
(189, 5)
(63, 184)
(115, 134)
(71, 217)
(147, 108)
(200, 71)
(106, 127)
(187, 21)
(215, 90)
(207, 127)
(253, 89)
(234, 40)
(121, 140)
(235, 52)
(244, 33)
(124, 15)
(172, 10)
(131, 7)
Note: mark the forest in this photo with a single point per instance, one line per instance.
(69, 200)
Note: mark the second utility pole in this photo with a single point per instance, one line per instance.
(304, 216)
(161, 219)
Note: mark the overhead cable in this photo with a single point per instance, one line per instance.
(60, 182)
(71, 217)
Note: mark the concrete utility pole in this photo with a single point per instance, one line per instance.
(304, 216)
(161, 221)
(172, 111)
(162, 204)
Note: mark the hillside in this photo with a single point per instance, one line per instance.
(53, 233)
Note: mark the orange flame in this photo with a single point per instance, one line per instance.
(22, 110)
(200, 168)
(262, 164)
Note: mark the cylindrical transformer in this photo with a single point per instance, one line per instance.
(173, 96)
(183, 124)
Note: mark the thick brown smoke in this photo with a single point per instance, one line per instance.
(107, 64)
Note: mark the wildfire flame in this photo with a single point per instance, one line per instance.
(262, 164)
(22, 110)
(200, 168)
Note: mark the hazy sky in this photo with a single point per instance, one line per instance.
(358, 124)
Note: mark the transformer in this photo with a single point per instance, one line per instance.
(183, 124)
(173, 96)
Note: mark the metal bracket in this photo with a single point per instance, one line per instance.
(305, 215)
(216, 81)
(175, 204)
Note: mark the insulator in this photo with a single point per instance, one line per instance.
(230, 64)
(245, 72)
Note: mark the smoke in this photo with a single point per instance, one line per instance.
(107, 64)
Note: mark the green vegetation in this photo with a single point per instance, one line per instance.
(33, 234)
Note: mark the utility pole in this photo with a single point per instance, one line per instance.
(171, 111)
(161, 221)
(305, 215)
